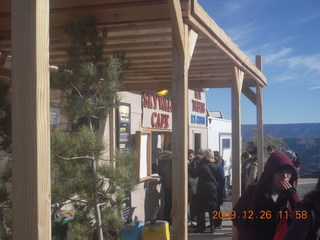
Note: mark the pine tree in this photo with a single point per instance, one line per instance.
(5, 115)
(80, 175)
(5, 155)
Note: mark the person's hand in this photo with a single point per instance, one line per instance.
(284, 185)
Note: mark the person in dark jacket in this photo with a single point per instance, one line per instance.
(207, 192)
(221, 187)
(306, 222)
(245, 166)
(192, 188)
(165, 173)
(263, 205)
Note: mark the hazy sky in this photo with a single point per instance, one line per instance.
(287, 35)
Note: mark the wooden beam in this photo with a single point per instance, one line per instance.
(251, 95)
(193, 36)
(236, 134)
(210, 83)
(259, 62)
(58, 4)
(203, 23)
(113, 14)
(177, 24)
(180, 136)
(139, 38)
(132, 86)
(260, 134)
(207, 71)
(236, 131)
(31, 120)
(212, 67)
(260, 137)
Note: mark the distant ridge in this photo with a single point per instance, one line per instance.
(293, 130)
(302, 138)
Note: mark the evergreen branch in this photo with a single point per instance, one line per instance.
(78, 201)
(98, 108)
(76, 158)
(64, 178)
(5, 205)
(77, 90)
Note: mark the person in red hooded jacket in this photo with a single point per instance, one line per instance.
(263, 205)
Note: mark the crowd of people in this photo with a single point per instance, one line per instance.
(269, 207)
(207, 168)
(205, 187)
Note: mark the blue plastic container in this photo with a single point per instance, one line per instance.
(132, 231)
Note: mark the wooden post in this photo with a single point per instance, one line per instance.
(31, 120)
(180, 145)
(259, 62)
(260, 138)
(236, 135)
(260, 135)
(180, 62)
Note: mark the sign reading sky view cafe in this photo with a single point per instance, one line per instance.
(197, 108)
(157, 111)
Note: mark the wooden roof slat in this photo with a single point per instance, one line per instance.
(142, 30)
(61, 4)
(223, 83)
(153, 85)
(106, 14)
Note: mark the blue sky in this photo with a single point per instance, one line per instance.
(287, 35)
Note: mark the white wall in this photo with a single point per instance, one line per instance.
(219, 129)
(215, 128)
(196, 112)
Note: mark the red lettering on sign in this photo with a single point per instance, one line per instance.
(159, 120)
(197, 95)
(198, 106)
(162, 103)
(150, 101)
(145, 100)
(155, 98)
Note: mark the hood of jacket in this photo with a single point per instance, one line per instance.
(275, 163)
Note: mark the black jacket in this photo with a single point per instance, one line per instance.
(207, 188)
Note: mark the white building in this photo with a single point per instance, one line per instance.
(220, 139)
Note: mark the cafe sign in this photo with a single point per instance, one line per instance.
(157, 111)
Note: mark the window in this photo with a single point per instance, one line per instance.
(143, 147)
(225, 143)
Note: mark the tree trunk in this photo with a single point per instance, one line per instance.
(6, 230)
(96, 206)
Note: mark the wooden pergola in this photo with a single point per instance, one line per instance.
(170, 44)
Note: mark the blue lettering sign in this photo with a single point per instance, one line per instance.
(198, 119)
